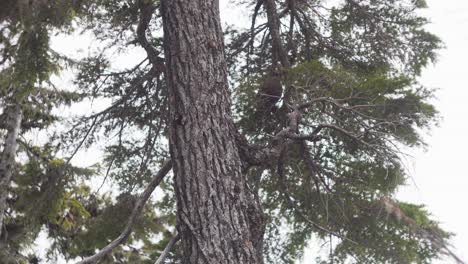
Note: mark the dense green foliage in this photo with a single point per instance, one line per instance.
(353, 69)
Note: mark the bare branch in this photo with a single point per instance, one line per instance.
(83, 140)
(131, 220)
(279, 53)
(342, 130)
(309, 137)
(146, 12)
(168, 249)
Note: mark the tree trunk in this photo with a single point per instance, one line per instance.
(217, 217)
(7, 159)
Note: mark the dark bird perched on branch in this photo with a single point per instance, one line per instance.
(268, 95)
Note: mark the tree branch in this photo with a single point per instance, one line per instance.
(168, 248)
(135, 213)
(293, 204)
(279, 53)
(394, 210)
(146, 12)
(252, 27)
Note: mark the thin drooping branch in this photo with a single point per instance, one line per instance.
(168, 249)
(394, 210)
(293, 204)
(13, 116)
(133, 217)
(83, 140)
(313, 168)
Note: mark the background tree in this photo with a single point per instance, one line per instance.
(34, 190)
(324, 162)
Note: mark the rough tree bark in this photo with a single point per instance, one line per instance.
(217, 217)
(13, 118)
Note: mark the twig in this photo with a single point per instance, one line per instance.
(88, 132)
(107, 174)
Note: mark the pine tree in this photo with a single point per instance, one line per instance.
(248, 185)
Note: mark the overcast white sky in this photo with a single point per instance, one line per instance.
(440, 178)
(440, 173)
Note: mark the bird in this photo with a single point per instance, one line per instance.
(269, 93)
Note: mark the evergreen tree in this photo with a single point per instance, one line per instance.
(283, 132)
(34, 183)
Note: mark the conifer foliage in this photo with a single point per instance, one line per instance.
(258, 140)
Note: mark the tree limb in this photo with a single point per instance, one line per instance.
(279, 53)
(168, 248)
(135, 213)
(146, 12)
(252, 27)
